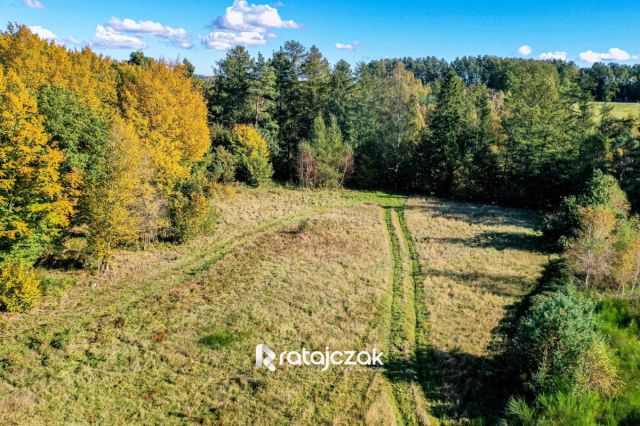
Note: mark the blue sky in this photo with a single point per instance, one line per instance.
(584, 31)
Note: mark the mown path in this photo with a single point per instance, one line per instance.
(407, 335)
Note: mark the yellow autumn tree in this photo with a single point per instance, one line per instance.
(121, 208)
(627, 264)
(170, 118)
(252, 155)
(33, 203)
(592, 252)
(39, 62)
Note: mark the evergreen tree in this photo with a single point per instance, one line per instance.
(229, 98)
(343, 98)
(444, 147)
(262, 95)
(287, 63)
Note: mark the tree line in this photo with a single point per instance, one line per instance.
(512, 131)
(126, 153)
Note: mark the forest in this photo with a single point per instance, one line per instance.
(99, 155)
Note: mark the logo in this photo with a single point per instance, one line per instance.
(266, 357)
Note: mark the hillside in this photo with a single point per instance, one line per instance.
(169, 335)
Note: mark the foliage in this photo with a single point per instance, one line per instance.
(444, 145)
(592, 254)
(325, 160)
(252, 155)
(552, 338)
(562, 226)
(627, 247)
(169, 117)
(34, 203)
(19, 286)
(189, 210)
(223, 165)
(596, 372)
(117, 213)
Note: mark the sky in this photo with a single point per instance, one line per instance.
(584, 32)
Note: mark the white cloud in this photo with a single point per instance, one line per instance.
(242, 16)
(246, 25)
(72, 40)
(108, 38)
(176, 36)
(224, 40)
(347, 46)
(49, 35)
(547, 56)
(33, 4)
(43, 33)
(525, 50)
(614, 54)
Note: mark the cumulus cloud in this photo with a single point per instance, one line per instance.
(108, 38)
(49, 35)
(547, 56)
(614, 54)
(177, 36)
(246, 24)
(347, 46)
(33, 4)
(43, 33)
(224, 40)
(525, 50)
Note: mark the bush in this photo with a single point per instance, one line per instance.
(561, 226)
(252, 155)
(190, 211)
(596, 371)
(555, 409)
(223, 165)
(552, 338)
(19, 287)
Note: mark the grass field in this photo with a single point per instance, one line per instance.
(169, 336)
(620, 109)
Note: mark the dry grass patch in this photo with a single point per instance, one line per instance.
(477, 262)
(177, 346)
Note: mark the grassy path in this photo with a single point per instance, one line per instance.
(406, 336)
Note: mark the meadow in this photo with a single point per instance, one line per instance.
(168, 336)
(620, 110)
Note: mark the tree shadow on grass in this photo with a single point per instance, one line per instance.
(459, 386)
(476, 214)
(497, 284)
(497, 240)
(463, 387)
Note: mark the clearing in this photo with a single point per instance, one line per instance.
(169, 336)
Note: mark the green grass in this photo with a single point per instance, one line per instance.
(620, 320)
(620, 109)
(168, 337)
(477, 262)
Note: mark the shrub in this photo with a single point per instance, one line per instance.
(552, 338)
(560, 408)
(602, 190)
(561, 226)
(190, 211)
(223, 165)
(596, 371)
(19, 287)
(252, 155)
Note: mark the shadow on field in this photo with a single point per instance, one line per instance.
(497, 240)
(458, 385)
(477, 213)
(497, 284)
